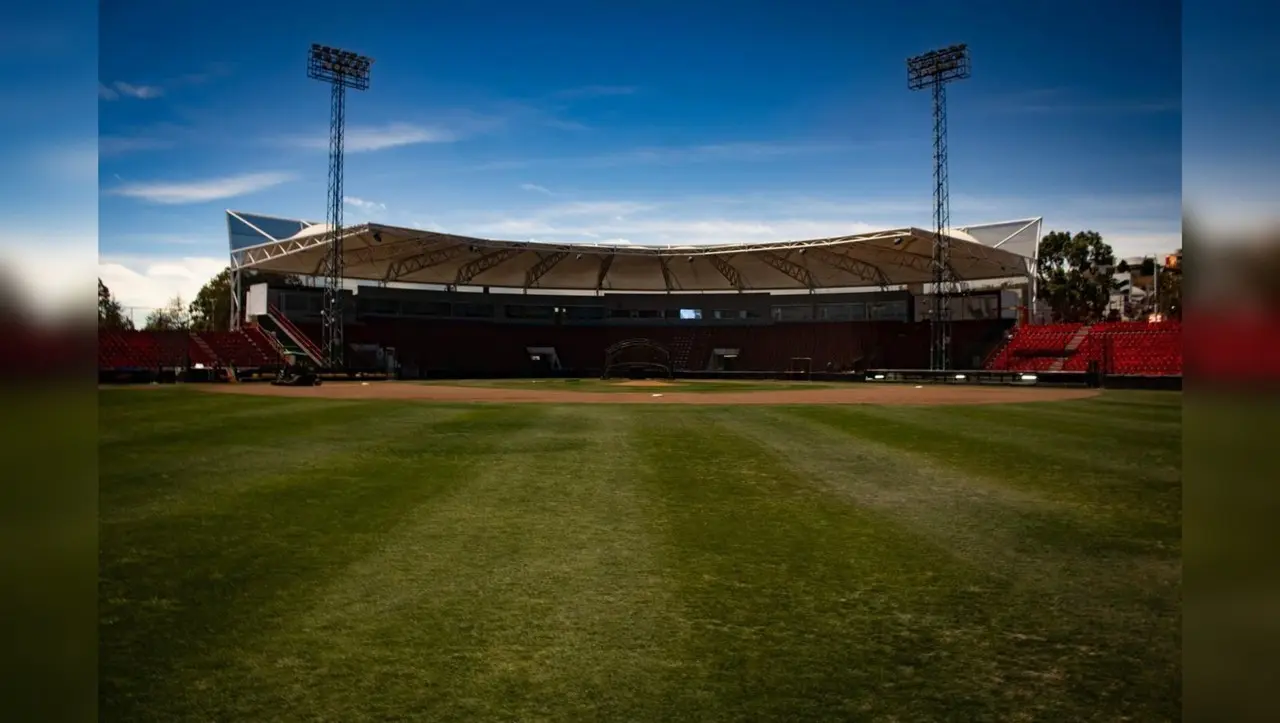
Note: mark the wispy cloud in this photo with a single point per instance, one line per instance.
(121, 89)
(1064, 100)
(536, 188)
(656, 223)
(595, 91)
(376, 138)
(1137, 224)
(176, 238)
(201, 191)
(363, 205)
(149, 91)
(674, 155)
(118, 145)
(563, 124)
(211, 72)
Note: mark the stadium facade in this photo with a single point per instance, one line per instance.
(407, 287)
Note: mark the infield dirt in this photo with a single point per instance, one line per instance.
(887, 394)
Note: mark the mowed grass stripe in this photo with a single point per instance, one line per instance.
(204, 469)
(1127, 484)
(1133, 484)
(177, 591)
(1077, 592)
(165, 414)
(801, 606)
(530, 592)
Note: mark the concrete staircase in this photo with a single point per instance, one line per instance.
(1072, 345)
(204, 347)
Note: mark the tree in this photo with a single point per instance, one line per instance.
(110, 312)
(211, 309)
(1168, 298)
(1073, 275)
(1148, 267)
(170, 317)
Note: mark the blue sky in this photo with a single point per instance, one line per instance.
(657, 123)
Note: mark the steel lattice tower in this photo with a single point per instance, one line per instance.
(934, 70)
(342, 69)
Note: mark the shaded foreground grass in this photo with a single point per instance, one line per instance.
(264, 559)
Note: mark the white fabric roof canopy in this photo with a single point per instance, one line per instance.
(376, 252)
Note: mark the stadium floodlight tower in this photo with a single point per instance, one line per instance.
(934, 70)
(341, 69)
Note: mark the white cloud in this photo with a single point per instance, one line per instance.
(536, 188)
(1065, 100)
(1134, 225)
(613, 209)
(667, 224)
(131, 90)
(120, 89)
(596, 91)
(117, 145)
(672, 155)
(362, 204)
(375, 138)
(201, 191)
(144, 283)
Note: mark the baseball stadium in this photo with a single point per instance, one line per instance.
(621, 482)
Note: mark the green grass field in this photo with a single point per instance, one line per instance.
(269, 559)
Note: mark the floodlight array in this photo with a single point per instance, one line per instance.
(938, 66)
(342, 67)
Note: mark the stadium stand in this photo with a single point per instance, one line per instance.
(1120, 348)
(120, 350)
(240, 348)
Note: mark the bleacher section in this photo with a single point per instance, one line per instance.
(148, 350)
(243, 348)
(118, 349)
(1118, 348)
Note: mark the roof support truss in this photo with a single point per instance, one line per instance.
(861, 269)
(915, 262)
(258, 255)
(605, 263)
(374, 254)
(727, 270)
(666, 273)
(401, 268)
(788, 267)
(390, 250)
(478, 266)
(545, 263)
